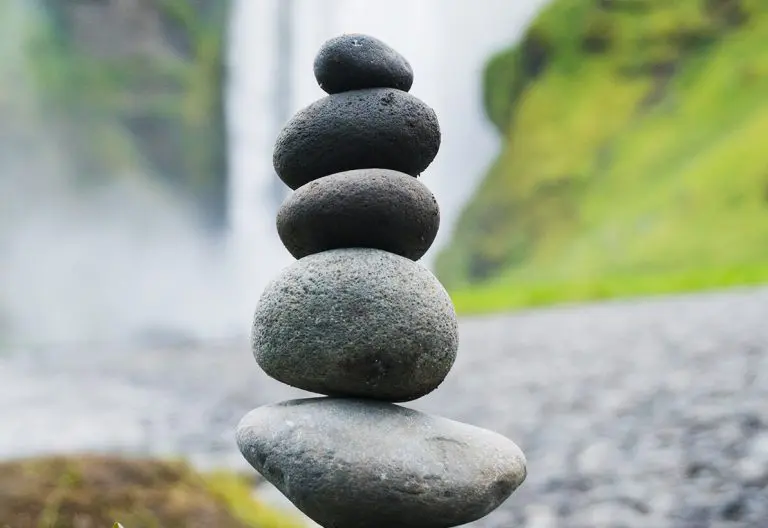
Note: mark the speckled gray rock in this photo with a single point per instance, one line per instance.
(355, 61)
(374, 208)
(376, 128)
(360, 464)
(356, 322)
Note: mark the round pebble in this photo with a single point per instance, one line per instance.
(354, 62)
(374, 208)
(375, 128)
(357, 463)
(356, 322)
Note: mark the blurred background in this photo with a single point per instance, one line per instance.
(604, 199)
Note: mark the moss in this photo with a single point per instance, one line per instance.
(236, 493)
(97, 491)
(633, 162)
(509, 73)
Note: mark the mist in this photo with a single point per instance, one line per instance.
(121, 260)
(127, 260)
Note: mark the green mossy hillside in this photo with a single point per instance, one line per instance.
(634, 159)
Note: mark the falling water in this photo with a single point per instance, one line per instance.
(446, 41)
(128, 261)
(93, 266)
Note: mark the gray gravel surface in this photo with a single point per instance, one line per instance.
(649, 414)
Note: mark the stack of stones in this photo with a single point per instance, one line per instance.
(358, 320)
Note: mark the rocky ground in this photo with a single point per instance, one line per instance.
(650, 414)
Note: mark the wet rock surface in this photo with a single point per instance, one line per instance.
(355, 61)
(357, 464)
(374, 128)
(375, 208)
(648, 414)
(357, 322)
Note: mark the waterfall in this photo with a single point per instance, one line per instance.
(446, 41)
(126, 260)
(256, 106)
(93, 266)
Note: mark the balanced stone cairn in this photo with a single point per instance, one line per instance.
(356, 319)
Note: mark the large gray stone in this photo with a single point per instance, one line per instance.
(360, 464)
(355, 61)
(374, 208)
(376, 128)
(356, 322)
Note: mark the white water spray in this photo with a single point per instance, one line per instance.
(447, 43)
(127, 260)
(98, 266)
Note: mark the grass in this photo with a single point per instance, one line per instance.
(237, 494)
(633, 162)
(94, 491)
(501, 297)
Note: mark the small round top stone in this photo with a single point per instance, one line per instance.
(356, 61)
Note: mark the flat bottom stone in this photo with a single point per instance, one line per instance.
(351, 463)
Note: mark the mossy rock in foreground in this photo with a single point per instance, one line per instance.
(97, 491)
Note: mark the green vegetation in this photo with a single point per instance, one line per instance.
(96, 491)
(142, 94)
(634, 160)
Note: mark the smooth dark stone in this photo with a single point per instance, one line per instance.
(355, 62)
(375, 208)
(380, 128)
(356, 322)
(361, 464)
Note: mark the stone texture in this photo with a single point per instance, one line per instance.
(375, 208)
(357, 322)
(360, 464)
(354, 62)
(375, 128)
(677, 389)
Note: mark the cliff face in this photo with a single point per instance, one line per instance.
(139, 83)
(633, 133)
